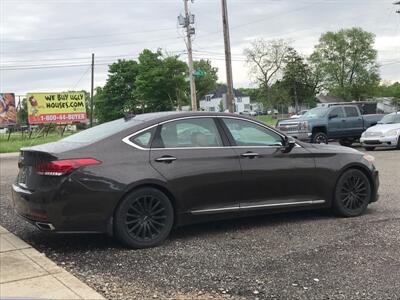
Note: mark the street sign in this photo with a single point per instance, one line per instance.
(199, 73)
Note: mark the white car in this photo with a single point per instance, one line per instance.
(299, 114)
(384, 134)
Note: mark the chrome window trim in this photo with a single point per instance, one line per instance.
(250, 207)
(127, 138)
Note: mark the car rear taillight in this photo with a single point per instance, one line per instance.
(62, 167)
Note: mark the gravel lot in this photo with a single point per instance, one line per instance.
(307, 255)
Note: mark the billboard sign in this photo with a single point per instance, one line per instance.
(56, 107)
(8, 112)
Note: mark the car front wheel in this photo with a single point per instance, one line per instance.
(144, 218)
(352, 194)
(320, 138)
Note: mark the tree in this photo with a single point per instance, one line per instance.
(117, 97)
(253, 93)
(298, 80)
(22, 113)
(160, 83)
(208, 82)
(348, 63)
(265, 60)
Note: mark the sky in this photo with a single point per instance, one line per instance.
(46, 45)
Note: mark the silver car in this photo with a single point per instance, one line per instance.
(384, 134)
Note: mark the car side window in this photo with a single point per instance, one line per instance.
(337, 111)
(144, 138)
(246, 133)
(201, 132)
(351, 111)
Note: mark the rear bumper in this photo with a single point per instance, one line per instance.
(48, 212)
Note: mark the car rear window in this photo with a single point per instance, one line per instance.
(101, 131)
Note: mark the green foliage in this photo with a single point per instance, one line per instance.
(347, 61)
(221, 106)
(160, 82)
(17, 140)
(298, 84)
(255, 94)
(22, 113)
(116, 97)
(388, 90)
(208, 82)
(153, 83)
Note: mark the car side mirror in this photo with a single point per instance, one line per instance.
(332, 116)
(288, 145)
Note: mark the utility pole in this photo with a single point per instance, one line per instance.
(228, 58)
(187, 21)
(91, 93)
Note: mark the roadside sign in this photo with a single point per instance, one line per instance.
(56, 107)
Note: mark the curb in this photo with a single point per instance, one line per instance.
(28, 274)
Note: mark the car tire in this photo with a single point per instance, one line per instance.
(369, 148)
(346, 142)
(398, 143)
(319, 138)
(144, 218)
(352, 194)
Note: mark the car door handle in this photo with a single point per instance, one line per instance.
(165, 159)
(343, 120)
(249, 154)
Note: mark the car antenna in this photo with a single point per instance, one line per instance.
(128, 116)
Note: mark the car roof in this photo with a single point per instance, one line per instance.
(167, 115)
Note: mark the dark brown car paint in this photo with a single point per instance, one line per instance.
(199, 179)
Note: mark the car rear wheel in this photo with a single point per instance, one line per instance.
(320, 138)
(398, 142)
(352, 194)
(144, 218)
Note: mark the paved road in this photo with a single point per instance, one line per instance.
(308, 255)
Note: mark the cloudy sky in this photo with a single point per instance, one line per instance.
(46, 45)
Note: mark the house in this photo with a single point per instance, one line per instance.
(216, 100)
(386, 104)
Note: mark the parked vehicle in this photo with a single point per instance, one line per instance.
(299, 114)
(248, 113)
(384, 134)
(140, 176)
(341, 122)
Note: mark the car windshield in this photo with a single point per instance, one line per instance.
(317, 112)
(101, 131)
(390, 119)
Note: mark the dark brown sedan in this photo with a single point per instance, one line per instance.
(140, 176)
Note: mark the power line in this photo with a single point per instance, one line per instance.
(83, 75)
(88, 36)
(90, 47)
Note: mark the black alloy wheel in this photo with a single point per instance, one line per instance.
(352, 194)
(144, 218)
(320, 138)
